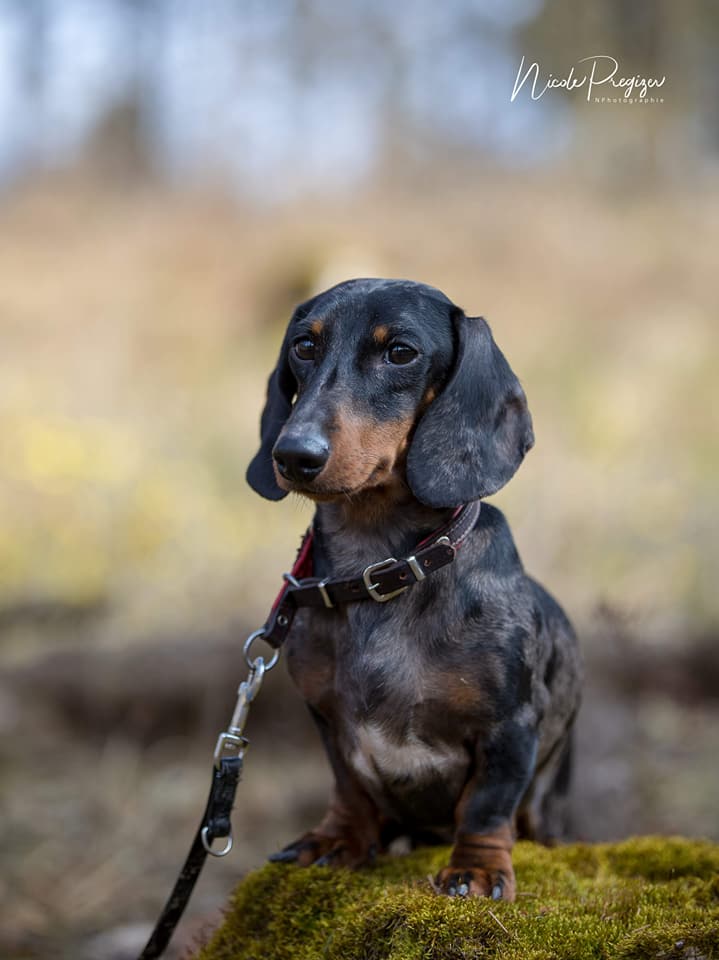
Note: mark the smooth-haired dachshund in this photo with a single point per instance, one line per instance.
(446, 712)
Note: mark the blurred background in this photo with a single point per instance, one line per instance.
(174, 177)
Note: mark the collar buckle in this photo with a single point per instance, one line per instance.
(373, 588)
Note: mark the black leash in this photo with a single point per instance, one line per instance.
(379, 582)
(215, 824)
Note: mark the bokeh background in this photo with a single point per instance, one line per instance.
(174, 176)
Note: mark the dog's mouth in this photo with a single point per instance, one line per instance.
(356, 456)
(329, 485)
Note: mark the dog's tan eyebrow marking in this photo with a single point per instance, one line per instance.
(316, 327)
(380, 333)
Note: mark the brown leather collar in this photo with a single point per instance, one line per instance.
(379, 581)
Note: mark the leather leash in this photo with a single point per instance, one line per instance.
(380, 582)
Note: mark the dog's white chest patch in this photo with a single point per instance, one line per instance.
(376, 757)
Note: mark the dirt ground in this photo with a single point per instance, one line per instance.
(107, 764)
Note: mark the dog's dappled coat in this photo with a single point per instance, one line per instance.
(446, 712)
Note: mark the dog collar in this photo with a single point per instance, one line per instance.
(380, 582)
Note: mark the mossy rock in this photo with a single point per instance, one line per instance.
(648, 897)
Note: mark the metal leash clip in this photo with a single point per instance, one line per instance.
(232, 739)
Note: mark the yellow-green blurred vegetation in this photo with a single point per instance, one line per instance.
(139, 331)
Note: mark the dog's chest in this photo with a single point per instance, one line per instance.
(400, 732)
(389, 697)
(384, 757)
(397, 744)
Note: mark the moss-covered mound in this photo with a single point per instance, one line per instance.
(648, 897)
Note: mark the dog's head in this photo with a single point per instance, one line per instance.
(380, 381)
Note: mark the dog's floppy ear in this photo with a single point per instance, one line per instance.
(280, 393)
(281, 389)
(473, 437)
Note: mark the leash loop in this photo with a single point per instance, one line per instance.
(207, 843)
(258, 663)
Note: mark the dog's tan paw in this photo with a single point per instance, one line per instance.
(476, 882)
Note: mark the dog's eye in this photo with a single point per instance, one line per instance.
(304, 348)
(400, 353)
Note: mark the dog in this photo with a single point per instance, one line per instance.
(446, 712)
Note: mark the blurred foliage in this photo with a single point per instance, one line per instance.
(305, 95)
(139, 330)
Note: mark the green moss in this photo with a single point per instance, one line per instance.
(647, 898)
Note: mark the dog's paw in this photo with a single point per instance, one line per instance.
(475, 882)
(308, 849)
(325, 851)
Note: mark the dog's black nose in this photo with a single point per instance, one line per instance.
(300, 458)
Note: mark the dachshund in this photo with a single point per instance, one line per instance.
(446, 712)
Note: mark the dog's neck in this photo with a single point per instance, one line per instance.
(370, 527)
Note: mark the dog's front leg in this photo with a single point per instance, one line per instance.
(481, 861)
(349, 833)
